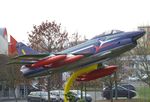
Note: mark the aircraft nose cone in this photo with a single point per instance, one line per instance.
(138, 34)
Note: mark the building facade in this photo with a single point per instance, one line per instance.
(147, 29)
(3, 41)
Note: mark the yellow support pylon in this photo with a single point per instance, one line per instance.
(74, 76)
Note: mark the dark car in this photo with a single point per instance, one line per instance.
(41, 96)
(128, 86)
(122, 91)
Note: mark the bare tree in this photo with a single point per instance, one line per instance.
(10, 74)
(122, 71)
(140, 59)
(3, 61)
(49, 37)
(76, 39)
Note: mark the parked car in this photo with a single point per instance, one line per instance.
(128, 86)
(87, 97)
(122, 91)
(76, 93)
(59, 93)
(41, 96)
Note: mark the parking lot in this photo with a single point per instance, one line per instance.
(13, 100)
(102, 100)
(96, 97)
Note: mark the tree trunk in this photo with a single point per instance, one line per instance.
(85, 89)
(14, 94)
(111, 93)
(81, 90)
(48, 87)
(116, 84)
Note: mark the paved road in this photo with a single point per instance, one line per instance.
(13, 101)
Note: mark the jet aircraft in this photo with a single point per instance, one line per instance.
(94, 51)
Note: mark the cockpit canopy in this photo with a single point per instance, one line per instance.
(111, 32)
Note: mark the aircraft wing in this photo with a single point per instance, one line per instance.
(46, 60)
(39, 56)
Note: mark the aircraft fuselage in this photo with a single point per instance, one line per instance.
(99, 49)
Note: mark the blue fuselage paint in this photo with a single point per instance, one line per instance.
(100, 48)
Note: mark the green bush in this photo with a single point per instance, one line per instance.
(144, 93)
(70, 97)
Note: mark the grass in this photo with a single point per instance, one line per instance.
(121, 100)
(144, 94)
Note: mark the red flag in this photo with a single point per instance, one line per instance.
(12, 46)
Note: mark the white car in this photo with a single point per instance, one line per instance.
(59, 93)
(87, 97)
(41, 96)
(77, 94)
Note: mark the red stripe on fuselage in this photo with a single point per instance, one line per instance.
(98, 48)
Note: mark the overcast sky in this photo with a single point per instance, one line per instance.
(87, 17)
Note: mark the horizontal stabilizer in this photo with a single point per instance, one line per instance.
(21, 62)
(34, 56)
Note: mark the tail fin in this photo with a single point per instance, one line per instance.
(23, 49)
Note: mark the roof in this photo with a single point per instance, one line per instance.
(3, 33)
